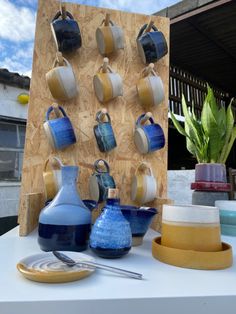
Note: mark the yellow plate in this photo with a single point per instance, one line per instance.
(45, 267)
(193, 259)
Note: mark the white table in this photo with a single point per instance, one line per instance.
(165, 289)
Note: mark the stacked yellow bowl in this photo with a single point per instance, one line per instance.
(191, 238)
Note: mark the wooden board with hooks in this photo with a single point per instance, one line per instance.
(124, 111)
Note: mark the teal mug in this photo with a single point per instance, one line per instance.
(103, 132)
(100, 181)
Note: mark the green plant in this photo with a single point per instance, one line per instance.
(210, 138)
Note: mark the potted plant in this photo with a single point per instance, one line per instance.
(209, 138)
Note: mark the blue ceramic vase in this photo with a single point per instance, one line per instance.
(59, 131)
(152, 46)
(64, 225)
(66, 32)
(111, 234)
(104, 133)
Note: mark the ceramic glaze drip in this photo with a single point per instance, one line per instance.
(111, 234)
(65, 223)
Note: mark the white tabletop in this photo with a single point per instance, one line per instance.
(165, 289)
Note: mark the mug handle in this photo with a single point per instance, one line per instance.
(104, 67)
(59, 13)
(142, 29)
(97, 165)
(107, 20)
(58, 160)
(149, 70)
(143, 118)
(52, 108)
(145, 166)
(100, 114)
(60, 60)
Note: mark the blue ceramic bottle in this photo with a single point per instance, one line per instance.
(64, 225)
(111, 234)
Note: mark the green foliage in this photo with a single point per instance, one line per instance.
(211, 138)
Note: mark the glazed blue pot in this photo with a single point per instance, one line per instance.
(104, 133)
(90, 204)
(148, 137)
(65, 223)
(66, 33)
(59, 131)
(228, 230)
(228, 217)
(152, 46)
(139, 219)
(100, 181)
(111, 234)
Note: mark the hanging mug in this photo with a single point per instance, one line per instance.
(52, 178)
(143, 186)
(59, 131)
(107, 84)
(61, 79)
(110, 37)
(66, 32)
(152, 46)
(148, 137)
(103, 132)
(100, 181)
(150, 88)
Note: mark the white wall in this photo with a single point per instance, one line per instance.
(179, 182)
(9, 107)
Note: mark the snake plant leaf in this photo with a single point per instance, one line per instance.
(230, 144)
(212, 102)
(193, 129)
(178, 125)
(229, 129)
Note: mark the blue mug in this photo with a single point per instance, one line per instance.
(59, 131)
(104, 133)
(100, 181)
(66, 32)
(152, 46)
(148, 137)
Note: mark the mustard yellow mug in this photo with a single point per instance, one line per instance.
(150, 87)
(52, 177)
(109, 36)
(107, 84)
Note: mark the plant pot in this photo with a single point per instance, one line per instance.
(210, 172)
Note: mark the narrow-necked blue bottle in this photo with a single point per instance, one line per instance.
(111, 234)
(64, 225)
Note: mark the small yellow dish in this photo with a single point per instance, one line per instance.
(193, 259)
(45, 267)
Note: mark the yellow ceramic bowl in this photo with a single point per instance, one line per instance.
(192, 259)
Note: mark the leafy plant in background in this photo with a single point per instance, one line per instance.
(210, 138)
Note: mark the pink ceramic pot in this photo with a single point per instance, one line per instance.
(210, 172)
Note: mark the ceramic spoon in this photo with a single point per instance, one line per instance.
(70, 262)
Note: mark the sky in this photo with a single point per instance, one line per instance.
(17, 26)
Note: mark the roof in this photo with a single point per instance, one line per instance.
(14, 79)
(203, 40)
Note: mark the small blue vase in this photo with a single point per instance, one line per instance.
(65, 223)
(111, 234)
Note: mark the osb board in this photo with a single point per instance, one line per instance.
(124, 111)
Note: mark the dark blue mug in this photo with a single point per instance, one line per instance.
(152, 46)
(66, 32)
(148, 137)
(100, 181)
(104, 133)
(59, 131)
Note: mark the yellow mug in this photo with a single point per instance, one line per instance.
(61, 80)
(110, 37)
(150, 87)
(52, 178)
(107, 84)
